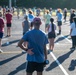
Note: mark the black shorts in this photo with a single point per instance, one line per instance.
(51, 35)
(31, 24)
(73, 41)
(34, 66)
(59, 23)
(8, 24)
(1, 35)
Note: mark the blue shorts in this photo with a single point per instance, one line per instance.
(1, 34)
(34, 66)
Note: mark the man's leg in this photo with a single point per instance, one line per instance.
(30, 67)
(0, 46)
(28, 73)
(39, 68)
(7, 31)
(39, 73)
(59, 27)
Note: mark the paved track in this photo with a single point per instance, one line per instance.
(12, 60)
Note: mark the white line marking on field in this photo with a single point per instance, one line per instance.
(65, 37)
(57, 43)
(61, 67)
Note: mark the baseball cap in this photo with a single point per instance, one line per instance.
(37, 20)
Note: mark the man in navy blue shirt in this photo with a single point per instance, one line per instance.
(35, 47)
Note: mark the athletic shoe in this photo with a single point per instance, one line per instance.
(1, 51)
(72, 65)
(58, 33)
(72, 48)
(49, 51)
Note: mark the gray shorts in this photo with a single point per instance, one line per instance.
(59, 23)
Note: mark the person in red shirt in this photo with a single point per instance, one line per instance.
(8, 22)
(1, 29)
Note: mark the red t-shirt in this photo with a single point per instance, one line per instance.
(1, 24)
(8, 17)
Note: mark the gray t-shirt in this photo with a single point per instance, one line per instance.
(26, 26)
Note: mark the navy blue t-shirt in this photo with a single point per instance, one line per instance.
(36, 39)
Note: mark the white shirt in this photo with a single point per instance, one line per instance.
(50, 28)
(73, 33)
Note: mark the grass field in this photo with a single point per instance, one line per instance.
(53, 13)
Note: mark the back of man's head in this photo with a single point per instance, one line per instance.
(37, 21)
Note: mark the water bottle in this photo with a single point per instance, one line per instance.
(46, 62)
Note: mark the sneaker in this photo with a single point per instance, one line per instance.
(1, 51)
(72, 65)
(7, 35)
(58, 33)
(72, 48)
(49, 51)
(23, 51)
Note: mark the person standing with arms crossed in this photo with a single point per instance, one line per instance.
(36, 48)
(8, 22)
(1, 30)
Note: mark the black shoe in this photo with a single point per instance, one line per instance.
(7, 35)
(72, 65)
(72, 48)
(58, 33)
(49, 51)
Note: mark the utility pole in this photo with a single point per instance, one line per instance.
(10, 4)
(15, 3)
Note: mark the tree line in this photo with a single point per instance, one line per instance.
(41, 3)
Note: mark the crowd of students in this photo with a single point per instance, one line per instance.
(34, 40)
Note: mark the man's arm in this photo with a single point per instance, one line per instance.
(23, 45)
(20, 44)
(45, 52)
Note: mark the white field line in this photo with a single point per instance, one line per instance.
(61, 67)
(65, 38)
